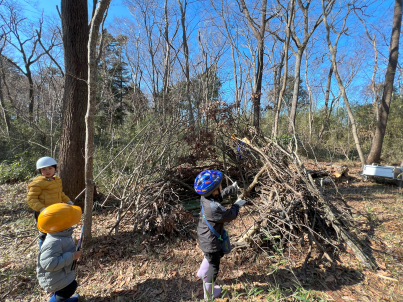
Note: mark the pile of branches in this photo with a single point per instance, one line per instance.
(158, 171)
(291, 211)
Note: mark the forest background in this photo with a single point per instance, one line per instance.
(169, 88)
(174, 59)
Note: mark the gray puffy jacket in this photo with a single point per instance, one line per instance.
(55, 259)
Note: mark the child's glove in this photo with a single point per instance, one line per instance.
(240, 202)
(70, 203)
(235, 185)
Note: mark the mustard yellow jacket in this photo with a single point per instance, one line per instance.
(44, 192)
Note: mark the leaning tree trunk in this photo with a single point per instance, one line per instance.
(75, 37)
(89, 117)
(383, 112)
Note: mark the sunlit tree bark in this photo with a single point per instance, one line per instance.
(383, 112)
(74, 15)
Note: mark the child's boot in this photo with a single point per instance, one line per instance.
(53, 298)
(71, 299)
(203, 269)
(211, 292)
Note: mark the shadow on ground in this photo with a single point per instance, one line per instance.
(284, 282)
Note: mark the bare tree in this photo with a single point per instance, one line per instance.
(95, 23)
(182, 7)
(234, 51)
(383, 112)
(325, 115)
(374, 89)
(289, 19)
(259, 31)
(6, 116)
(301, 45)
(26, 45)
(333, 53)
(311, 99)
(74, 14)
(167, 59)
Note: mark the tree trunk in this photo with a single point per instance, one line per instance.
(182, 7)
(258, 86)
(31, 94)
(327, 95)
(294, 103)
(311, 102)
(286, 48)
(3, 104)
(383, 112)
(298, 54)
(75, 37)
(234, 64)
(259, 34)
(89, 117)
(166, 62)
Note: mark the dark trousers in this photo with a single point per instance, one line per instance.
(42, 235)
(214, 265)
(67, 292)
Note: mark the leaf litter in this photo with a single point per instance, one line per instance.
(131, 266)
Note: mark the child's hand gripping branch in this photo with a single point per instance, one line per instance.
(58, 251)
(240, 202)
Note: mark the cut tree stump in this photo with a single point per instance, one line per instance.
(341, 171)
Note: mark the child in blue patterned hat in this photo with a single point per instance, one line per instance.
(211, 225)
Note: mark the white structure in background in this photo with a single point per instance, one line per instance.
(388, 172)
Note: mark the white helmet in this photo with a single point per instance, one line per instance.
(45, 162)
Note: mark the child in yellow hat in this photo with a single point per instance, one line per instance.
(55, 260)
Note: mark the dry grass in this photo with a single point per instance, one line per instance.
(132, 267)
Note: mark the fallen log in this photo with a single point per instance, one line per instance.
(341, 171)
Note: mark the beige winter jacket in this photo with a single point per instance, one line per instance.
(44, 192)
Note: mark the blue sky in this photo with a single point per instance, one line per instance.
(381, 10)
(117, 9)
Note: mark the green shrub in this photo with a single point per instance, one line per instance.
(18, 169)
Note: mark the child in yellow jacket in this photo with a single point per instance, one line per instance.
(45, 190)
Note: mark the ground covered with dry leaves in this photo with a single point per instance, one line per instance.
(134, 267)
